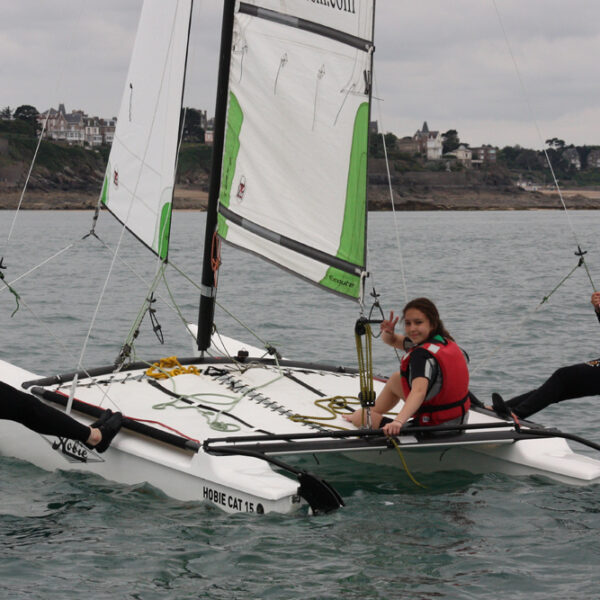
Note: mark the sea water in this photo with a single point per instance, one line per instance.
(65, 535)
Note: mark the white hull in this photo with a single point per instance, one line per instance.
(232, 483)
(266, 397)
(218, 480)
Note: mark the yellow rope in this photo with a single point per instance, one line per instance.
(169, 367)
(404, 463)
(365, 362)
(332, 405)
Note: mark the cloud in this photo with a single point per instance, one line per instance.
(444, 61)
(490, 74)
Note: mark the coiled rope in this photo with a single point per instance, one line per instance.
(170, 367)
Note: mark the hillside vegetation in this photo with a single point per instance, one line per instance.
(64, 172)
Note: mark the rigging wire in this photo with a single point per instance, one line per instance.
(225, 310)
(134, 331)
(580, 253)
(517, 326)
(541, 139)
(37, 148)
(130, 207)
(58, 85)
(45, 261)
(57, 339)
(391, 192)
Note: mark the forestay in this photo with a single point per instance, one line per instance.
(293, 185)
(138, 186)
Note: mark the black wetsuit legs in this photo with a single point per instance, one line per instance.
(24, 408)
(566, 383)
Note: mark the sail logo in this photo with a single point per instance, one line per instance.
(348, 6)
(74, 451)
(341, 282)
(241, 189)
(116, 178)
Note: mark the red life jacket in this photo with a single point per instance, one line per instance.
(452, 401)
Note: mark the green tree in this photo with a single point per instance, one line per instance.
(5, 113)
(528, 160)
(555, 143)
(508, 156)
(376, 145)
(193, 130)
(451, 141)
(29, 114)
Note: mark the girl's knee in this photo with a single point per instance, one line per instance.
(395, 384)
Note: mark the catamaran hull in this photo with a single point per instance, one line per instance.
(268, 397)
(552, 459)
(232, 483)
(200, 478)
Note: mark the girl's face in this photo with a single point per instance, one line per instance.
(417, 326)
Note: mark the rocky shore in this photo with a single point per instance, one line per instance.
(70, 178)
(185, 198)
(190, 198)
(470, 189)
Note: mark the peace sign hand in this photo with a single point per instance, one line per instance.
(389, 325)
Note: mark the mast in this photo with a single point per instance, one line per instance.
(208, 292)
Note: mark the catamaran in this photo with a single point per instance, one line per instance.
(288, 185)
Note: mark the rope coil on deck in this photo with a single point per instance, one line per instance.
(170, 367)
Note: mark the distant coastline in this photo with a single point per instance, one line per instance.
(69, 177)
(194, 198)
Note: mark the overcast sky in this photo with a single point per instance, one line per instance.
(443, 61)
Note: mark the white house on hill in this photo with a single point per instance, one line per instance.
(430, 142)
(77, 128)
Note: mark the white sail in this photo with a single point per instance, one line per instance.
(293, 187)
(138, 186)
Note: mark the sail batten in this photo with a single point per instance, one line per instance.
(285, 242)
(310, 26)
(293, 182)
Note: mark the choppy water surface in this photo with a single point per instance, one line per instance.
(63, 535)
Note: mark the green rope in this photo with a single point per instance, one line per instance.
(216, 423)
(335, 406)
(10, 289)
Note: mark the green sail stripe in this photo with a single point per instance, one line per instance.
(235, 118)
(164, 231)
(352, 239)
(104, 195)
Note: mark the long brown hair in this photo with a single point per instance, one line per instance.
(428, 308)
